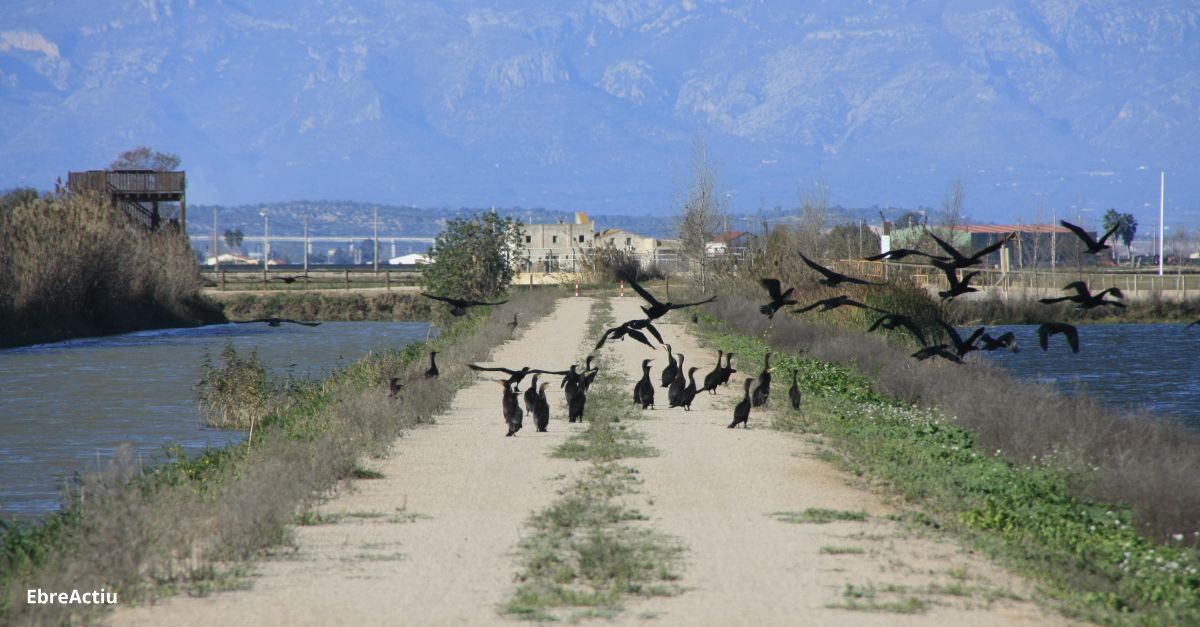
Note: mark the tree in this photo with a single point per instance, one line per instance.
(474, 258)
(814, 212)
(234, 238)
(1126, 227)
(17, 197)
(702, 214)
(144, 158)
(952, 207)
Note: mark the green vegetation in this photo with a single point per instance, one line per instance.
(867, 599)
(472, 258)
(328, 306)
(72, 265)
(1033, 514)
(191, 524)
(238, 393)
(583, 554)
(819, 516)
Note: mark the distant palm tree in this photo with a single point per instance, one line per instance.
(1127, 227)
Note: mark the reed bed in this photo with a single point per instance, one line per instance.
(72, 265)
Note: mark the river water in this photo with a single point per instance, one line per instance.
(66, 407)
(1130, 367)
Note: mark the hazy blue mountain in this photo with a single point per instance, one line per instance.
(594, 105)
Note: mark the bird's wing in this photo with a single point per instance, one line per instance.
(987, 250)
(853, 303)
(1080, 288)
(644, 294)
(479, 302)
(1072, 337)
(973, 337)
(1082, 234)
(1192, 324)
(912, 327)
(1044, 332)
(699, 302)
(639, 336)
(1051, 301)
(954, 254)
(810, 307)
(878, 321)
(1109, 234)
(307, 324)
(604, 338)
(951, 332)
(653, 331)
(830, 274)
(486, 369)
(444, 299)
(1115, 291)
(773, 288)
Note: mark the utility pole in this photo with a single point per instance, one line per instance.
(375, 256)
(306, 249)
(1162, 190)
(266, 240)
(216, 244)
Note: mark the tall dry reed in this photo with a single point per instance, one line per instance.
(72, 265)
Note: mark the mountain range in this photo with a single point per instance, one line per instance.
(1039, 107)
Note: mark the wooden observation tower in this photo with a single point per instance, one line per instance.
(139, 193)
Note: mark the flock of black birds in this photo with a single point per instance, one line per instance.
(681, 385)
(950, 264)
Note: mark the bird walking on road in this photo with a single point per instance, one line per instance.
(671, 369)
(763, 390)
(741, 413)
(643, 391)
(394, 386)
(677, 384)
(511, 408)
(713, 378)
(541, 409)
(688, 394)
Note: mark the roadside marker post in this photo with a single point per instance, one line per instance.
(576, 287)
(622, 288)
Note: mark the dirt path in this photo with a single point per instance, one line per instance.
(717, 489)
(433, 542)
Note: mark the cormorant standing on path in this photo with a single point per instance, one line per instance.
(713, 379)
(763, 390)
(689, 393)
(741, 413)
(541, 409)
(672, 369)
(677, 384)
(531, 394)
(643, 391)
(511, 408)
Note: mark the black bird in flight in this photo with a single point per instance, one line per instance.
(900, 253)
(633, 329)
(657, 309)
(1084, 299)
(959, 260)
(833, 279)
(1006, 340)
(778, 298)
(289, 279)
(1093, 246)
(432, 372)
(741, 413)
(891, 321)
(961, 346)
(459, 306)
(1192, 324)
(274, 322)
(515, 376)
(1051, 328)
(957, 287)
(937, 350)
(834, 303)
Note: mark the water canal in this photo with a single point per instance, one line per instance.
(66, 407)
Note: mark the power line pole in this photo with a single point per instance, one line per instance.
(375, 255)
